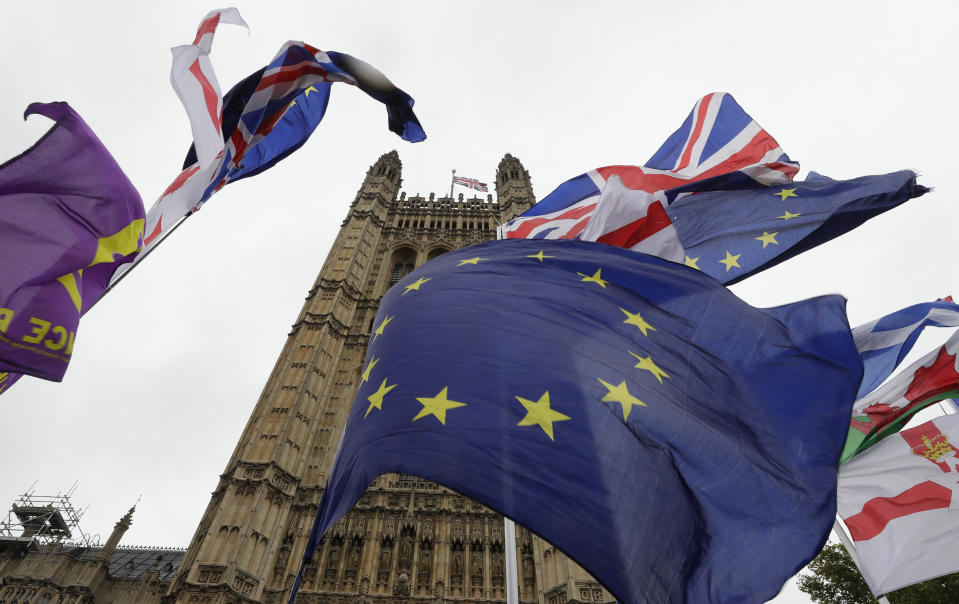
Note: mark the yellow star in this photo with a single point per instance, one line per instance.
(620, 394)
(731, 261)
(692, 262)
(540, 414)
(292, 104)
(415, 285)
(437, 406)
(471, 261)
(379, 330)
(786, 193)
(376, 399)
(789, 215)
(306, 93)
(596, 278)
(539, 256)
(635, 319)
(648, 364)
(369, 368)
(767, 238)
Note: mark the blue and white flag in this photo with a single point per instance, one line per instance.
(885, 342)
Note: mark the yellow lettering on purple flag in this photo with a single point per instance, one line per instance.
(40, 329)
(69, 349)
(57, 331)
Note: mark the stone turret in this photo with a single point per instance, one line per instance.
(118, 530)
(514, 190)
(382, 181)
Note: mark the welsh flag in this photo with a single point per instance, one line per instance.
(886, 410)
(899, 501)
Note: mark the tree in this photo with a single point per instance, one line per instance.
(836, 580)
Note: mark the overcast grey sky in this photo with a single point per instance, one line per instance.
(167, 368)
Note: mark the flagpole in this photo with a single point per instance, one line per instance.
(509, 527)
(139, 259)
(452, 181)
(512, 569)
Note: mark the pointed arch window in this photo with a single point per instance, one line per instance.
(402, 264)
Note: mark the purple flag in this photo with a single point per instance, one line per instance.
(68, 218)
(7, 380)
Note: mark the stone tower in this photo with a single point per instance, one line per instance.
(407, 539)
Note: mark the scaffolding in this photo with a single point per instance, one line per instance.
(36, 520)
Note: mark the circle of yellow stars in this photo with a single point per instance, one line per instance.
(539, 412)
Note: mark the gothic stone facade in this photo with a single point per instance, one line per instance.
(407, 539)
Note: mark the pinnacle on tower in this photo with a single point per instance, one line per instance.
(387, 166)
(118, 530)
(383, 180)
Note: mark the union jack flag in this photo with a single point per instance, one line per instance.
(264, 118)
(716, 146)
(470, 183)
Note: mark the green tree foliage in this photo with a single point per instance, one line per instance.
(836, 580)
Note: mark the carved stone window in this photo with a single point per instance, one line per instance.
(402, 264)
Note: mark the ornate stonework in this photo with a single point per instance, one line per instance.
(407, 539)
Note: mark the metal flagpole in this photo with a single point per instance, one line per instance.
(452, 180)
(512, 571)
(509, 527)
(138, 259)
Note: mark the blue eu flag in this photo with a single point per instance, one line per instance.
(678, 443)
(734, 233)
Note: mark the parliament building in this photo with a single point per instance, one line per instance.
(407, 539)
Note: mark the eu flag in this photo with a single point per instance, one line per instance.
(678, 443)
(732, 234)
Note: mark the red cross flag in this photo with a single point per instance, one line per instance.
(900, 501)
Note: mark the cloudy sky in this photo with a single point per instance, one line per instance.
(168, 366)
